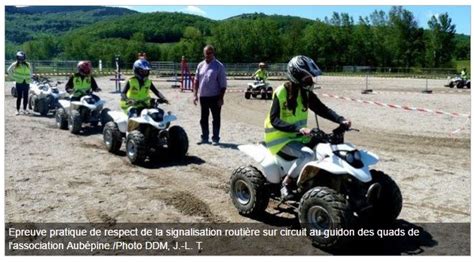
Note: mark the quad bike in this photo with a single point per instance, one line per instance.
(334, 191)
(259, 87)
(88, 110)
(458, 82)
(44, 95)
(146, 134)
(13, 91)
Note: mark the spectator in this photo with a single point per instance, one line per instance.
(209, 89)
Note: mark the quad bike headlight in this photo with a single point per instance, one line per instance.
(156, 116)
(350, 157)
(90, 100)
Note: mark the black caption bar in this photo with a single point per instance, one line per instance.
(231, 239)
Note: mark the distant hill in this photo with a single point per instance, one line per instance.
(25, 23)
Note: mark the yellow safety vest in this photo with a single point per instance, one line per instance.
(137, 92)
(275, 139)
(22, 73)
(262, 74)
(81, 86)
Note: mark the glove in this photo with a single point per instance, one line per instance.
(69, 90)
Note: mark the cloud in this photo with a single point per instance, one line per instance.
(192, 9)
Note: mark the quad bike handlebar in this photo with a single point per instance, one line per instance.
(336, 137)
(153, 102)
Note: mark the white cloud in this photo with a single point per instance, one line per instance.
(192, 9)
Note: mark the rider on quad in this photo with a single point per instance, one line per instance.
(80, 83)
(464, 74)
(136, 96)
(286, 131)
(261, 73)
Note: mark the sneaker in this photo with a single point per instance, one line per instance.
(215, 143)
(25, 111)
(203, 141)
(285, 193)
(17, 112)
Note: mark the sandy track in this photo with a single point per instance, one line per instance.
(54, 176)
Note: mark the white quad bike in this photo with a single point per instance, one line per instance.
(333, 191)
(259, 87)
(146, 134)
(44, 95)
(458, 82)
(88, 110)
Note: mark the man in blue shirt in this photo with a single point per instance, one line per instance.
(209, 89)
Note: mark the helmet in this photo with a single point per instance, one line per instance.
(261, 64)
(20, 56)
(141, 68)
(84, 67)
(300, 67)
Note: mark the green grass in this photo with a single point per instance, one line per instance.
(460, 64)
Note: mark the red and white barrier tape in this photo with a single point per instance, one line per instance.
(408, 108)
(461, 128)
(414, 92)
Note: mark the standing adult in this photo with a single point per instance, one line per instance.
(21, 72)
(209, 89)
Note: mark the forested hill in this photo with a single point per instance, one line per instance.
(26, 23)
(393, 39)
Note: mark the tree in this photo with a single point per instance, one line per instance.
(441, 40)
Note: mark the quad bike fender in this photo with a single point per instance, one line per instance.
(121, 119)
(64, 103)
(337, 166)
(270, 168)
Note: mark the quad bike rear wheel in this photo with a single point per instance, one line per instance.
(178, 143)
(389, 204)
(323, 208)
(136, 147)
(112, 137)
(13, 91)
(248, 191)
(61, 119)
(75, 122)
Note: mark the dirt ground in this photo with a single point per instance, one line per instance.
(54, 176)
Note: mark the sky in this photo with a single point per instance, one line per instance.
(460, 14)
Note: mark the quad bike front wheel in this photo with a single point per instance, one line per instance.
(178, 143)
(269, 93)
(105, 117)
(33, 103)
(389, 203)
(61, 119)
(112, 137)
(42, 107)
(75, 122)
(322, 209)
(136, 147)
(248, 191)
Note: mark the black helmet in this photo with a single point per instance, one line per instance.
(20, 56)
(301, 66)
